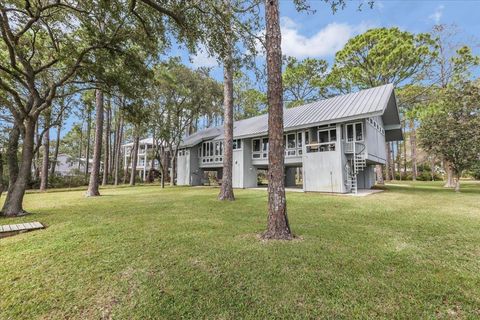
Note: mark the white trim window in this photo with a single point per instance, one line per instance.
(260, 148)
(354, 131)
(299, 142)
(327, 139)
(237, 144)
(290, 141)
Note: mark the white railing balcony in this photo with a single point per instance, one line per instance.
(348, 146)
(353, 147)
(321, 147)
(293, 152)
(211, 160)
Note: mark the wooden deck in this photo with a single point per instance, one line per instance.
(12, 229)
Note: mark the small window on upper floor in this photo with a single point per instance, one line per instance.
(359, 131)
(237, 144)
(291, 141)
(256, 145)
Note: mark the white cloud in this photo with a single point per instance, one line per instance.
(326, 42)
(437, 14)
(203, 59)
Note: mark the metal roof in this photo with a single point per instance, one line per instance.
(200, 136)
(378, 101)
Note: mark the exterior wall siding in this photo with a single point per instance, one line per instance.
(323, 172)
(375, 142)
(183, 170)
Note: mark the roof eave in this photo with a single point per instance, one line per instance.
(313, 124)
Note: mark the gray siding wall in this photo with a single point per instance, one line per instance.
(238, 168)
(244, 173)
(249, 171)
(366, 178)
(195, 172)
(375, 142)
(324, 171)
(188, 172)
(183, 169)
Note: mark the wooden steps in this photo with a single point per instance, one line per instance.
(12, 229)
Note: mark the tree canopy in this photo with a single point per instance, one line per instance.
(380, 56)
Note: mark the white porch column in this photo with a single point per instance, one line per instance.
(144, 167)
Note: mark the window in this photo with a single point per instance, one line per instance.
(291, 141)
(326, 141)
(299, 140)
(333, 135)
(325, 136)
(358, 131)
(354, 132)
(349, 132)
(260, 148)
(307, 137)
(237, 144)
(256, 145)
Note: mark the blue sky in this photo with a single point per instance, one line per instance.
(321, 34)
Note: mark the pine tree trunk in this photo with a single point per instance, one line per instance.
(129, 161)
(277, 226)
(398, 160)
(111, 142)
(97, 148)
(117, 150)
(87, 152)
(46, 154)
(173, 173)
(226, 191)
(13, 205)
(57, 147)
(404, 154)
(388, 171)
(80, 147)
(379, 170)
(413, 148)
(392, 163)
(134, 157)
(106, 153)
(163, 165)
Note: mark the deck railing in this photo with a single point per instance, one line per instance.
(353, 147)
(321, 147)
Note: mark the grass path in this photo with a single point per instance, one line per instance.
(146, 253)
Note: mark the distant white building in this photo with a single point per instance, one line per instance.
(68, 166)
(144, 163)
(334, 143)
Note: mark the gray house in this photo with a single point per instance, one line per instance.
(331, 145)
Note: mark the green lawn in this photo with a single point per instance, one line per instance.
(145, 253)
